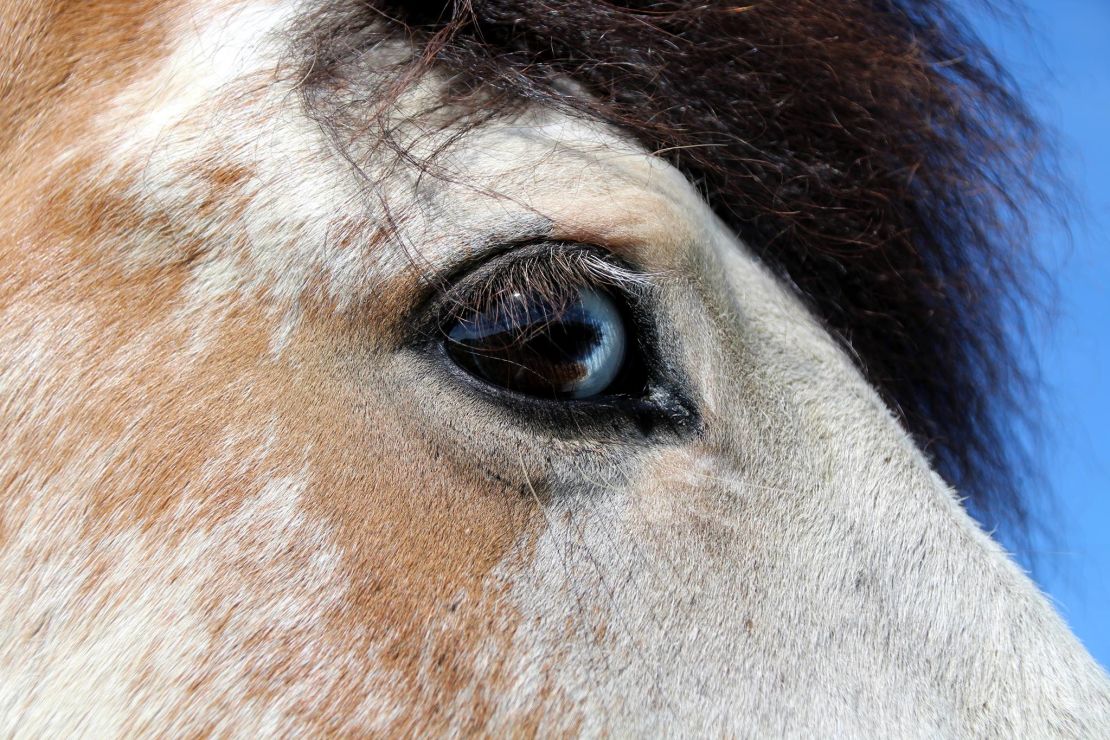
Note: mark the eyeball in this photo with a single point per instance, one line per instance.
(573, 348)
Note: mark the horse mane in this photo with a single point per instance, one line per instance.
(872, 153)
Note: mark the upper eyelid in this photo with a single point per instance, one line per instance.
(594, 266)
(557, 265)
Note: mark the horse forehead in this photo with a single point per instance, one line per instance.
(208, 140)
(203, 111)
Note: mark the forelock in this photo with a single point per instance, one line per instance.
(872, 153)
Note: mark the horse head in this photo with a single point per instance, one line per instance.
(499, 366)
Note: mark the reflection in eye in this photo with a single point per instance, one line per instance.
(574, 348)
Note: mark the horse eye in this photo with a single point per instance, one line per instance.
(571, 348)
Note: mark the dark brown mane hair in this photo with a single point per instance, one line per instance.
(872, 152)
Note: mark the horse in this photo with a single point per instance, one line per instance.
(392, 368)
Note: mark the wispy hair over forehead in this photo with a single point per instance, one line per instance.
(872, 152)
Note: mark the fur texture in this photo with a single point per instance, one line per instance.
(241, 495)
(872, 154)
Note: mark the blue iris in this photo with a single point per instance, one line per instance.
(573, 348)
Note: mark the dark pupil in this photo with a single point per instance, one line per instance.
(529, 346)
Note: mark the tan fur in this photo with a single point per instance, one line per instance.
(232, 501)
(142, 433)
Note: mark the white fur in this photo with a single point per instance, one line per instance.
(798, 571)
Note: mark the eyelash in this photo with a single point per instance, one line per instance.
(546, 270)
(555, 269)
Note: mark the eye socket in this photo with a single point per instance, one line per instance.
(569, 346)
(562, 336)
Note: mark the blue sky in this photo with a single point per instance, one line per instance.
(1061, 57)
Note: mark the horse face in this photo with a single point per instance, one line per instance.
(252, 485)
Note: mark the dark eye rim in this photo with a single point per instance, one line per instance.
(662, 408)
(663, 402)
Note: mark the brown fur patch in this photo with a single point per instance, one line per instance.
(143, 435)
(61, 61)
(165, 449)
